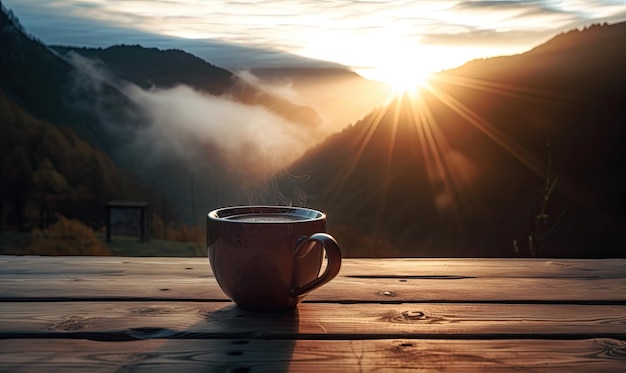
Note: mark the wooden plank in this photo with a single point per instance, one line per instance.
(479, 267)
(144, 320)
(341, 289)
(371, 280)
(16, 266)
(35, 355)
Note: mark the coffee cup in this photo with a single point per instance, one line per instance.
(268, 258)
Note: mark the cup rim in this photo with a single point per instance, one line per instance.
(308, 214)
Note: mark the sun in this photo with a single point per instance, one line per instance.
(401, 79)
(405, 81)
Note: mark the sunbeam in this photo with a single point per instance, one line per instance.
(508, 144)
(434, 144)
(502, 89)
(390, 150)
(411, 124)
(493, 133)
(363, 140)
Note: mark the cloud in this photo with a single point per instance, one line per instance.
(65, 23)
(215, 148)
(249, 138)
(236, 149)
(278, 33)
(511, 27)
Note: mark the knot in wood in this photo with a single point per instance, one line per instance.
(387, 293)
(414, 315)
(405, 316)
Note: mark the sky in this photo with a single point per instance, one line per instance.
(379, 39)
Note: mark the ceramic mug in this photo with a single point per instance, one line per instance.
(268, 258)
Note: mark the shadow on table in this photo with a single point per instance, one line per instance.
(230, 340)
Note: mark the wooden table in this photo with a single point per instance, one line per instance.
(108, 314)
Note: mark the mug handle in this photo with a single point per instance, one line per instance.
(333, 253)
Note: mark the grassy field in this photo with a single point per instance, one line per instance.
(130, 246)
(12, 243)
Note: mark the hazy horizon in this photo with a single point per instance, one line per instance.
(380, 40)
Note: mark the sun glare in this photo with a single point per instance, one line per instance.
(399, 80)
(405, 81)
(406, 68)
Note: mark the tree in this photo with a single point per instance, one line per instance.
(16, 184)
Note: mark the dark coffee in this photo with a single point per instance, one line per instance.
(267, 218)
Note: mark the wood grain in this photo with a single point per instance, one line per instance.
(360, 280)
(142, 320)
(588, 355)
(406, 267)
(169, 314)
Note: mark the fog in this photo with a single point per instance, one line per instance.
(203, 151)
(249, 138)
(206, 151)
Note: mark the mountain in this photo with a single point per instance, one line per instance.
(496, 151)
(71, 117)
(152, 67)
(51, 89)
(163, 118)
(201, 163)
(491, 153)
(163, 69)
(341, 96)
(48, 169)
(54, 148)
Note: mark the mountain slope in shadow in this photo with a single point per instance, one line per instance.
(53, 146)
(496, 151)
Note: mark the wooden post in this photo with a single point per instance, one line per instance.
(130, 205)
